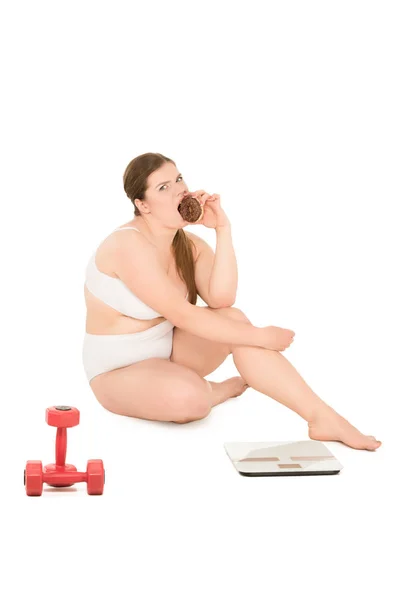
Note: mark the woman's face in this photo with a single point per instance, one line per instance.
(165, 191)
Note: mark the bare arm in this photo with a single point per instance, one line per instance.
(224, 273)
(216, 274)
(216, 327)
(138, 266)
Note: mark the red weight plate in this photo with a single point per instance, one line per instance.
(95, 477)
(33, 478)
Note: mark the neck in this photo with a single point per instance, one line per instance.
(158, 234)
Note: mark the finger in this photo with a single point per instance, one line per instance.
(205, 195)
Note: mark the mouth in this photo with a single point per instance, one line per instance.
(182, 199)
(191, 210)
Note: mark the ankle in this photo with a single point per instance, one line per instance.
(319, 411)
(218, 392)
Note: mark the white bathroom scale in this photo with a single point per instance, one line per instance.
(261, 459)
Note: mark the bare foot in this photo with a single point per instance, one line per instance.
(230, 388)
(234, 386)
(328, 425)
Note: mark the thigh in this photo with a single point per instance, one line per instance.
(155, 389)
(200, 354)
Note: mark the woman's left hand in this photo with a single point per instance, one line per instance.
(214, 215)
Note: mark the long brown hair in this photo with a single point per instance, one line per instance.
(135, 186)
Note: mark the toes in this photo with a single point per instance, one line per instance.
(374, 445)
(373, 438)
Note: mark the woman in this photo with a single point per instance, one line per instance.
(148, 347)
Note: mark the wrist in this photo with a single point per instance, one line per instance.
(226, 227)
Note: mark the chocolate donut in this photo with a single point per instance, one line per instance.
(190, 209)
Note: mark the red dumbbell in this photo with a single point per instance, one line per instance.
(61, 474)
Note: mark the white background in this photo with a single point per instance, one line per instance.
(290, 111)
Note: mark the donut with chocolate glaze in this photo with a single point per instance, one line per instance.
(190, 209)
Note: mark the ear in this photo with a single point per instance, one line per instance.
(142, 206)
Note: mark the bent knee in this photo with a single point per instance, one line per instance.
(194, 402)
(233, 312)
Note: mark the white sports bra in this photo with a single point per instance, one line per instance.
(115, 293)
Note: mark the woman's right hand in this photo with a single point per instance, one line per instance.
(276, 338)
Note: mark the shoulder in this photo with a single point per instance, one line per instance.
(127, 234)
(123, 242)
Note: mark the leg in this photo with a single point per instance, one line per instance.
(269, 372)
(205, 356)
(197, 353)
(155, 389)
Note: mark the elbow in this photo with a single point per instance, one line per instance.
(228, 304)
(224, 302)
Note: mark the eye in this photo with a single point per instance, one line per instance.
(180, 177)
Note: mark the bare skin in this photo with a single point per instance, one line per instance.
(230, 388)
(325, 425)
(328, 425)
(265, 370)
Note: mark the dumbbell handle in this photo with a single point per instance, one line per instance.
(61, 446)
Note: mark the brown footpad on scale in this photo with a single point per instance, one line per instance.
(190, 209)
